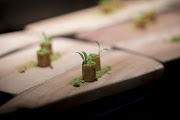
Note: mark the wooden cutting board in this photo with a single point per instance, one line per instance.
(12, 82)
(157, 46)
(121, 32)
(16, 40)
(128, 71)
(91, 18)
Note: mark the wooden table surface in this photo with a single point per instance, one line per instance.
(121, 32)
(91, 18)
(128, 71)
(16, 40)
(12, 82)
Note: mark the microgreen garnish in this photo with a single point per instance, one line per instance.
(42, 50)
(47, 40)
(99, 50)
(92, 55)
(84, 58)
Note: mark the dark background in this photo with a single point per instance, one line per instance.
(15, 14)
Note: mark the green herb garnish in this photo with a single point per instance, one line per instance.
(32, 64)
(42, 50)
(55, 56)
(77, 82)
(90, 62)
(140, 18)
(84, 58)
(100, 73)
(47, 40)
(22, 70)
(92, 55)
(99, 50)
(176, 39)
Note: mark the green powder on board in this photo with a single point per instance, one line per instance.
(76, 82)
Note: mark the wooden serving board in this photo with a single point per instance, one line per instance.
(16, 40)
(92, 18)
(12, 82)
(121, 32)
(157, 46)
(128, 71)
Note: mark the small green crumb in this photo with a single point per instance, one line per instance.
(104, 70)
(55, 56)
(22, 70)
(77, 82)
(176, 39)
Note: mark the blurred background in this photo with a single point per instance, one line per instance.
(148, 101)
(15, 14)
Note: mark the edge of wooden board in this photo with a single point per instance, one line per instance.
(129, 71)
(157, 46)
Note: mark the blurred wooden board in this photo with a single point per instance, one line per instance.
(157, 46)
(128, 71)
(12, 82)
(16, 40)
(121, 32)
(92, 18)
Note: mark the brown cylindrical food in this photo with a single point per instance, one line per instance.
(44, 59)
(47, 46)
(89, 72)
(97, 61)
(140, 24)
(151, 16)
(105, 10)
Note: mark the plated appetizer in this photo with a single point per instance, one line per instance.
(88, 68)
(43, 56)
(91, 68)
(143, 19)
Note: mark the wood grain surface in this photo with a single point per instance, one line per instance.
(157, 46)
(16, 40)
(91, 18)
(12, 82)
(128, 71)
(121, 32)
